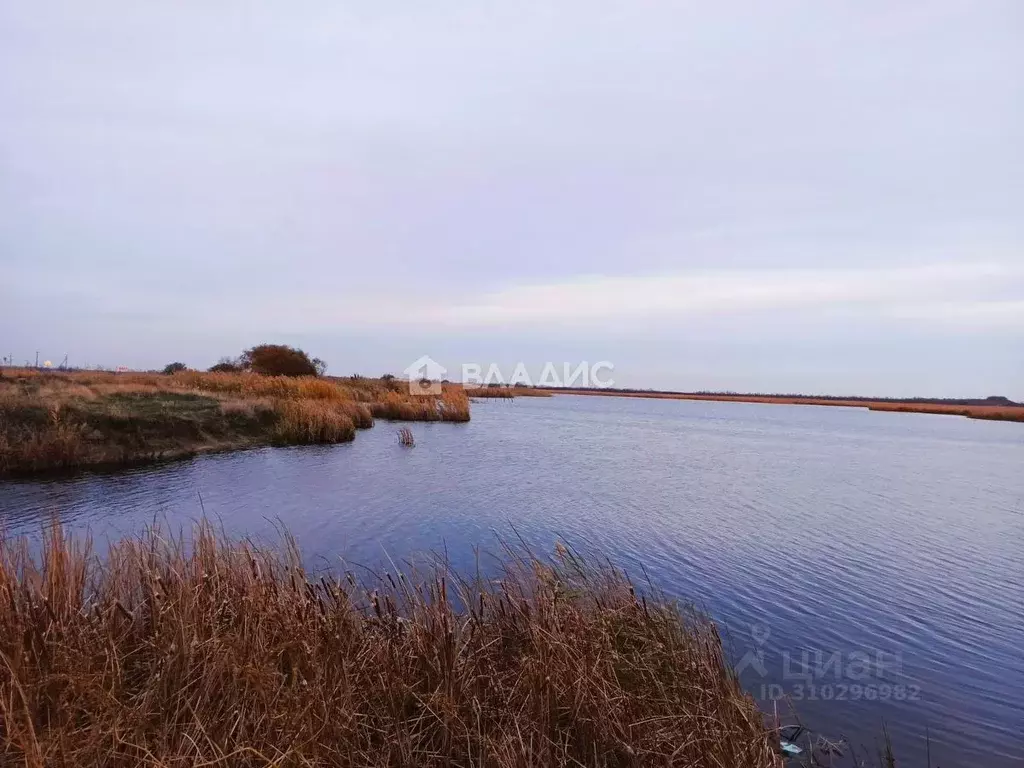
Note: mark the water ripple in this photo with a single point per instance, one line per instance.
(810, 533)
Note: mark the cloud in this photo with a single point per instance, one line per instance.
(916, 292)
(965, 315)
(198, 177)
(946, 297)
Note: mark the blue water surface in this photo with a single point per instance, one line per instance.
(864, 567)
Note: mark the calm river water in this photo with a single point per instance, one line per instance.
(869, 566)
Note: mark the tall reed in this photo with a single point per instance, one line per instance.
(212, 652)
(60, 420)
(311, 421)
(451, 405)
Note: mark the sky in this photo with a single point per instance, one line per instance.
(775, 197)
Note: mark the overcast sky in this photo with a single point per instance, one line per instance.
(772, 196)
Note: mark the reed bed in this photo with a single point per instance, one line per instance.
(505, 392)
(205, 651)
(451, 405)
(311, 421)
(63, 420)
(990, 412)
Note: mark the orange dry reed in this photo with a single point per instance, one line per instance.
(209, 652)
(60, 420)
(505, 392)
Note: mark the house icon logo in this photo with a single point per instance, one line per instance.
(425, 376)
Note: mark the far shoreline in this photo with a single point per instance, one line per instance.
(995, 409)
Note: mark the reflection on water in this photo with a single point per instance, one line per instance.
(867, 565)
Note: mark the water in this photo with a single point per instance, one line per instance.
(883, 549)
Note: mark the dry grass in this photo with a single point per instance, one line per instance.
(218, 653)
(451, 405)
(992, 412)
(62, 420)
(504, 392)
(312, 421)
(254, 385)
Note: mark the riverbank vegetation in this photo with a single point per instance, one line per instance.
(212, 652)
(993, 408)
(269, 360)
(504, 391)
(57, 420)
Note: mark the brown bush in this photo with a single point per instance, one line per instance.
(226, 365)
(279, 360)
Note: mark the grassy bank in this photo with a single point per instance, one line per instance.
(505, 392)
(220, 653)
(62, 420)
(970, 410)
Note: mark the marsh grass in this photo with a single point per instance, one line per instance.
(63, 420)
(312, 421)
(451, 405)
(989, 412)
(205, 651)
(505, 392)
